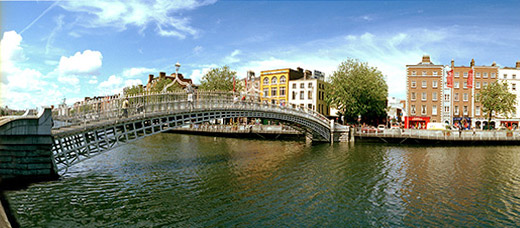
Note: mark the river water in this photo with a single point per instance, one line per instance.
(172, 180)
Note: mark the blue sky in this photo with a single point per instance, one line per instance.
(72, 49)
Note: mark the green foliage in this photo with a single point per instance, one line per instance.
(220, 79)
(159, 84)
(133, 90)
(497, 98)
(358, 89)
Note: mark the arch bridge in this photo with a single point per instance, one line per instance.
(89, 128)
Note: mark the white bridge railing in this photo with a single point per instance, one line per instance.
(149, 104)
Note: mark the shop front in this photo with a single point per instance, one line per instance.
(416, 122)
(464, 122)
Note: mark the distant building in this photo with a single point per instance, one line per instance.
(274, 84)
(511, 75)
(251, 84)
(309, 92)
(174, 78)
(424, 92)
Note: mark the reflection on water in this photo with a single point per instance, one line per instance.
(198, 181)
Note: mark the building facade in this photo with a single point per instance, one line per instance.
(511, 76)
(274, 84)
(309, 92)
(424, 93)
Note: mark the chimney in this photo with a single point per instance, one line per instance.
(494, 64)
(472, 64)
(426, 59)
(452, 63)
(150, 78)
(518, 65)
(300, 69)
(162, 75)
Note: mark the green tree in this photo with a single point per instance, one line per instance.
(497, 98)
(220, 79)
(159, 84)
(133, 90)
(358, 89)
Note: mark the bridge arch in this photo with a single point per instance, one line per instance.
(96, 127)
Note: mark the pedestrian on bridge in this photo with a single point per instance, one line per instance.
(125, 106)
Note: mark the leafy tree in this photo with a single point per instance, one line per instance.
(220, 79)
(497, 98)
(358, 89)
(133, 90)
(159, 84)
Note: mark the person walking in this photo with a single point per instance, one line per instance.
(125, 106)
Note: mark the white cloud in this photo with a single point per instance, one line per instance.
(165, 15)
(232, 58)
(132, 82)
(86, 63)
(197, 50)
(138, 72)
(115, 85)
(11, 51)
(93, 80)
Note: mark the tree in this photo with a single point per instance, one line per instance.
(220, 79)
(357, 89)
(133, 90)
(497, 98)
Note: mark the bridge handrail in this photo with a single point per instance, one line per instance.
(149, 103)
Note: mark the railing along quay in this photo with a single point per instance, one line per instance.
(443, 135)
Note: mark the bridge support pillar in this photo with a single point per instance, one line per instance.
(25, 149)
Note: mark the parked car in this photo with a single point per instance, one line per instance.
(368, 129)
(380, 128)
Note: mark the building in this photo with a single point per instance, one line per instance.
(424, 91)
(309, 92)
(251, 84)
(174, 78)
(482, 77)
(274, 84)
(395, 109)
(511, 75)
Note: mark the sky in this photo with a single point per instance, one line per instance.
(51, 50)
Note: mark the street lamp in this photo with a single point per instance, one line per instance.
(177, 66)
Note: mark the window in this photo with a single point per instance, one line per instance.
(434, 110)
(274, 80)
(266, 81)
(513, 86)
(477, 85)
(435, 73)
(413, 110)
(309, 85)
(477, 98)
(457, 74)
(477, 111)
(493, 75)
(446, 97)
(282, 80)
(456, 85)
(309, 106)
(434, 96)
(282, 91)
(456, 97)
(424, 73)
(465, 110)
(485, 75)
(294, 85)
(477, 75)
(465, 97)
(434, 84)
(413, 96)
(294, 95)
(266, 92)
(414, 84)
(465, 85)
(424, 83)
(514, 76)
(447, 109)
(302, 95)
(505, 76)
(456, 110)
(423, 109)
(414, 73)
(465, 74)
(302, 85)
(309, 95)
(484, 85)
(273, 92)
(423, 96)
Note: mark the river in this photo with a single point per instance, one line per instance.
(173, 180)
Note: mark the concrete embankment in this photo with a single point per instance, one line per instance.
(4, 222)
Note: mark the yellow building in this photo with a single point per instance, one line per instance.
(274, 84)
